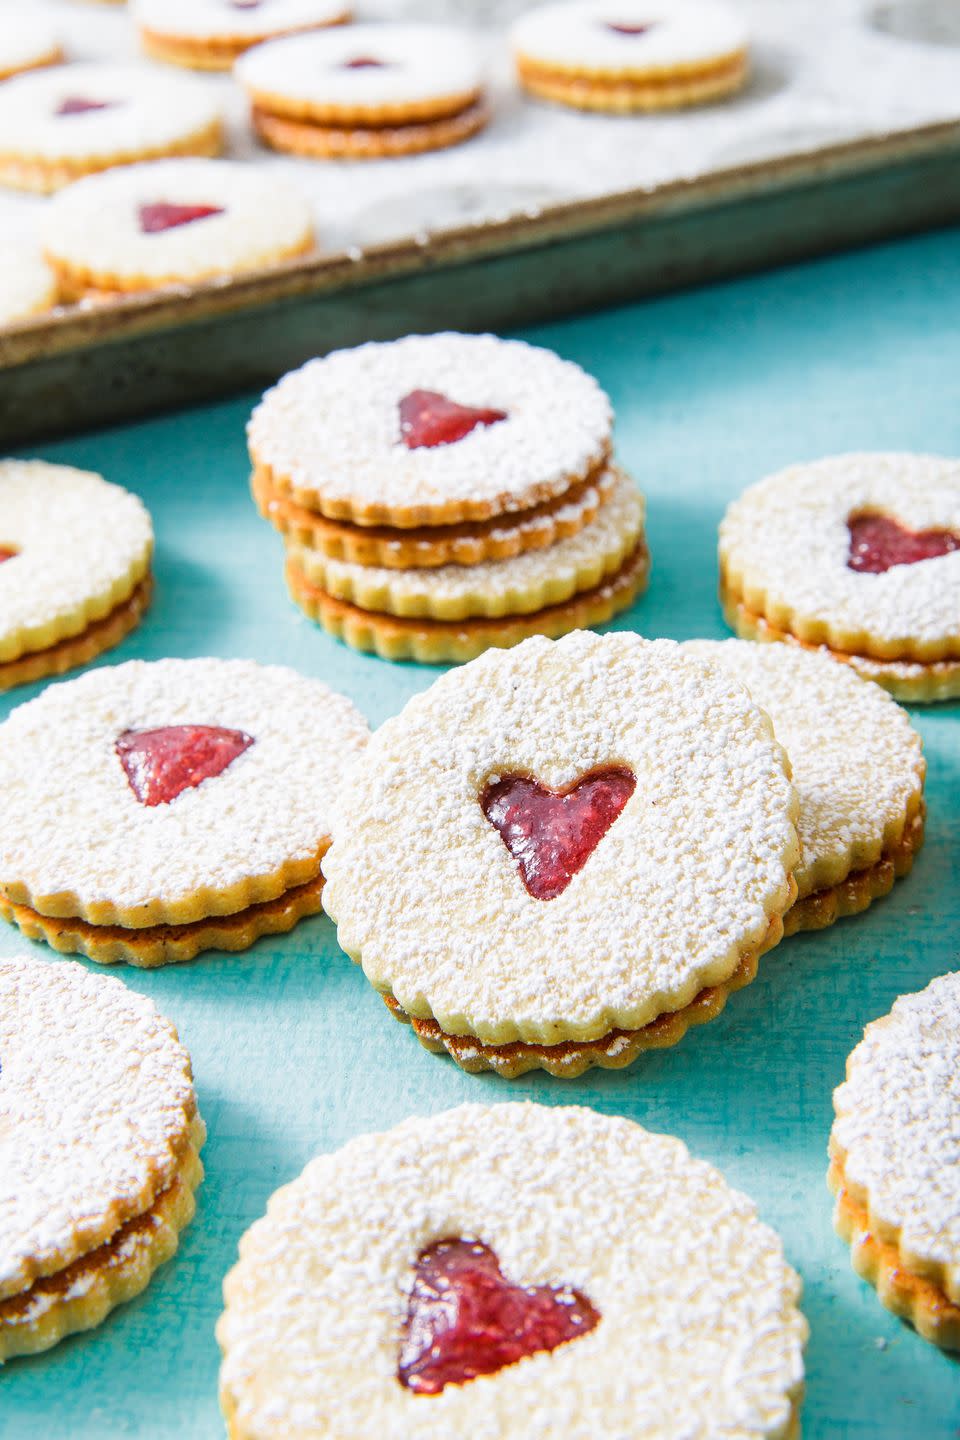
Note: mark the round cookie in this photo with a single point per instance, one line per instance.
(152, 811)
(643, 1321)
(631, 55)
(75, 557)
(212, 34)
(27, 42)
(858, 767)
(99, 1141)
(857, 553)
(561, 855)
(893, 1163)
(365, 91)
(167, 222)
(60, 124)
(27, 284)
(430, 430)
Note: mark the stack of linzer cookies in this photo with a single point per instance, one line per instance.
(445, 493)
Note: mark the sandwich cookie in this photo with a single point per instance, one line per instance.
(28, 286)
(212, 34)
(27, 42)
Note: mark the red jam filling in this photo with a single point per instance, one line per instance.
(464, 1319)
(80, 105)
(877, 543)
(6, 553)
(161, 215)
(363, 62)
(630, 29)
(428, 418)
(552, 835)
(161, 764)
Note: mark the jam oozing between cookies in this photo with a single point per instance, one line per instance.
(164, 215)
(878, 543)
(82, 105)
(6, 553)
(552, 834)
(428, 418)
(465, 1319)
(160, 764)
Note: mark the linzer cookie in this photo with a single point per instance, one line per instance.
(212, 34)
(60, 124)
(857, 554)
(152, 811)
(510, 1271)
(858, 768)
(141, 227)
(27, 42)
(565, 854)
(630, 55)
(365, 91)
(27, 284)
(99, 1149)
(74, 568)
(893, 1159)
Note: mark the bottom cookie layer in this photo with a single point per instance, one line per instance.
(76, 283)
(859, 890)
(434, 642)
(627, 94)
(911, 681)
(168, 944)
(44, 176)
(913, 1297)
(330, 142)
(82, 1295)
(80, 649)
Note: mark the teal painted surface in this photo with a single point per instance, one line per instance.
(292, 1051)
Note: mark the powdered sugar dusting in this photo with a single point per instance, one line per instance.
(27, 285)
(31, 39)
(222, 20)
(580, 34)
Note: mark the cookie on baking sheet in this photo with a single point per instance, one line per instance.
(28, 286)
(60, 124)
(99, 1149)
(152, 811)
(629, 55)
(212, 34)
(455, 1287)
(27, 42)
(75, 557)
(857, 554)
(365, 91)
(166, 222)
(893, 1159)
(858, 768)
(565, 854)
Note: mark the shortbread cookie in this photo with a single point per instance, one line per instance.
(60, 124)
(858, 553)
(74, 567)
(564, 841)
(430, 430)
(212, 34)
(152, 811)
(99, 1141)
(27, 42)
(365, 91)
(499, 587)
(629, 55)
(166, 222)
(858, 768)
(455, 1289)
(893, 1160)
(471, 543)
(437, 642)
(28, 286)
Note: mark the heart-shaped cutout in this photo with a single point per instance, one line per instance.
(625, 29)
(465, 1319)
(552, 834)
(364, 62)
(163, 215)
(81, 105)
(428, 418)
(878, 543)
(160, 764)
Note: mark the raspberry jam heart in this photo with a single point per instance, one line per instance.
(878, 543)
(81, 105)
(161, 215)
(629, 29)
(552, 834)
(428, 418)
(160, 764)
(465, 1319)
(363, 62)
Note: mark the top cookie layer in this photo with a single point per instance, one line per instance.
(419, 71)
(329, 433)
(427, 896)
(77, 841)
(26, 40)
(857, 761)
(27, 286)
(82, 546)
(225, 20)
(897, 1127)
(629, 38)
(96, 1101)
(785, 543)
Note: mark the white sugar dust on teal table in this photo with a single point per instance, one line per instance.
(293, 1053)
